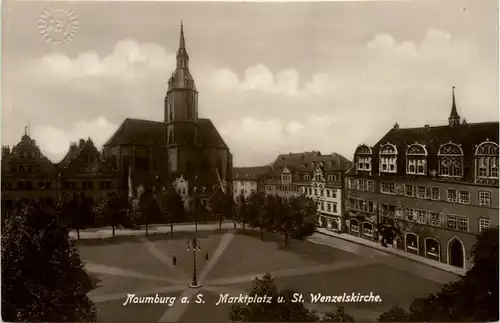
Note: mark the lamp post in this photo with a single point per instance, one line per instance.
(194, 246)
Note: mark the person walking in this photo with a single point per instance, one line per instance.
(206, 255)
(174, 259)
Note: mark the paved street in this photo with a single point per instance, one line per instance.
(143, 266)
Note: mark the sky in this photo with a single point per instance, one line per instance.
(273, 77)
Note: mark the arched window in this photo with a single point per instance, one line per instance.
(411, 242)
(363, 158)
(486, 161)
(354, 226)
(432, 249)
(368, 229)
(450, 157)
(416, 159)
(388, 158)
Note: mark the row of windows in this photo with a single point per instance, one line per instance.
(330, 206)
(86, 185)
(29, 154)
(306, 177)
(320, 192)
(450, 156)
(361, 185)
(434, 193)
(26, 169)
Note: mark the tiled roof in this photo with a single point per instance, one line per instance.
(68, 166)
(307, 161)
(467, 136)
(152, 133)
(249, 173)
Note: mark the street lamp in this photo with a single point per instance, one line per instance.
(194, 246)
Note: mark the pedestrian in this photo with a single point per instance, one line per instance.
(174, 259)
(206, 255)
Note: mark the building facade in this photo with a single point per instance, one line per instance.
(317, 176)
(435, 188)
(248, 180)
(28, 173)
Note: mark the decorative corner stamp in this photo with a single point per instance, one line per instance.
(58, 25)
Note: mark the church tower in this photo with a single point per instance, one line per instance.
(181, 114)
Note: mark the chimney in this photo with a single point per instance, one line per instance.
(5, 151)
(426, 126)
(81, 143)
(396, 126)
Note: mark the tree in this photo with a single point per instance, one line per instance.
(172, 207)
(76, 211)
(243, 212)
(339, 315)
(111, 210)
(472, 298)
(304, 214)
(43, 278)
(282, 308)
(148, 207)
(274, 311)
(256, 203)
(221, 205)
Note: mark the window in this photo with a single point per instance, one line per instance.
(463, 197)
(462, 223)
(370, 206)
(362, 184)
(334, 207)
(484, 198)
(316, 191)
(354, 226)
(452, 195)
(367, 229)
(21, 154)
(306, 177)
(334, 194)
(486, 160)
(409, 190)
(484, 224)
(370, 186)
(388, 158)
(451, 222)
(421, 192)
(434, 219)
(409, 213)
(363, 158)
(322, 192)
(387, 188)
(435, 193)
(416, 159)
(21, 168)
(352, 183)
(322, 206)
(450, 160)
(327, 193)
(421, 217)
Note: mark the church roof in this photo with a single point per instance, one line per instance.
(152, 133)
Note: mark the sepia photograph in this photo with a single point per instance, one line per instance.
(184, 161)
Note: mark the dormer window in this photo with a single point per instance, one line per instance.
(450, 157)
(416, 159)
(363, 158)
(486, 161)
(388, 158)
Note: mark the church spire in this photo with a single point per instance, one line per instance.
(454, 117)
(182, 56)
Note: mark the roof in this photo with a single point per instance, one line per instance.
(467, 136)
(140, 132)
(307, 161)
(249, 173)
(72, 162)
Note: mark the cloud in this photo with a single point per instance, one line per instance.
(55, 141)
(262, 112)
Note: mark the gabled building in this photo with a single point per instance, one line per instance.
(435, 186)
(84, 170)
(27, 173)
(318, 176)
(248, 180)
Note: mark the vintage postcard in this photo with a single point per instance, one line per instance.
(250, 161)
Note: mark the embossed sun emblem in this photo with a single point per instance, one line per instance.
(58, 25)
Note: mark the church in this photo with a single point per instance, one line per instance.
(183, 150)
